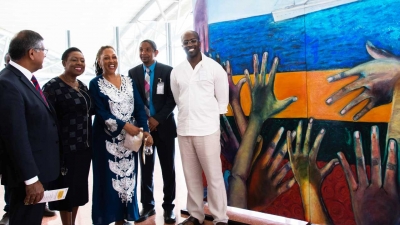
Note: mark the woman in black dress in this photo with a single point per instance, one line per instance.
(74, 107)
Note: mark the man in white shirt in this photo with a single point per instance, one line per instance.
(200, 89)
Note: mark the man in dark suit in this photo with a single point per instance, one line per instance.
(6, 216)
(28, 132)
(155, 77)
(4, 220)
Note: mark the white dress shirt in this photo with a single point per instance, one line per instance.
(24, 71)
(201, 94)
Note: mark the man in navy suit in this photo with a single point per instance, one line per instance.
(28, 131)
(159, 106)
(4, 220)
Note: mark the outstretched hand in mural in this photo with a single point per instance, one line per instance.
(234, 95)
(372, 201)
(307, 174)
(264, 102)
(376, 77)
(201, 23)
(264, 105)
(265, 183)
(234, 99)
(229, 142)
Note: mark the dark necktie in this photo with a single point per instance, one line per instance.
(37, 86)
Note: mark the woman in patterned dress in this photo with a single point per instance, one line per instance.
(70, 98)
(118, 107)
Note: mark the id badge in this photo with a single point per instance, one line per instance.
(160, 88)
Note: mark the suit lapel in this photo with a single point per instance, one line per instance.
(140, 82)
(30, 86)
(157, 74)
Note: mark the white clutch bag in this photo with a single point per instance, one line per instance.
(133, 143)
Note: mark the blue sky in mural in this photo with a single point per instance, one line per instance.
(329, 39)
(224, 10)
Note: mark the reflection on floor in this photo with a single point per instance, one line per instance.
(242, 216)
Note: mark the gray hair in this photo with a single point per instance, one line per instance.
(22, 42)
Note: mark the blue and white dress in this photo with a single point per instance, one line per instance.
(114, 166)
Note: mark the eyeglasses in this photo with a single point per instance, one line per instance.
(43, 50)
(192, 41)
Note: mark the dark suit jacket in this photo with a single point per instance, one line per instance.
(28, 132)
(164, 104)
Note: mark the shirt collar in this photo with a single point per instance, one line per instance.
(23, 70)
(203, 58)
(151, 67)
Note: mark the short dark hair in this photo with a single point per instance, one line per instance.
(152, 43)
(65, 55)
(97, 68)
(22, 42)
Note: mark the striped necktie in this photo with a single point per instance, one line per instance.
(37, 87)
(147, 91)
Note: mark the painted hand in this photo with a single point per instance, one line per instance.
(201, 23)
(304, 160)
(308, 175)
(264, 103)
(234, 96)
(266, 179)
(372, 201)
(229, 142)
(377, 79)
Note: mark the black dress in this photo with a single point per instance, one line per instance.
(74, 109)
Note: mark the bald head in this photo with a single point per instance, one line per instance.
(191, 32)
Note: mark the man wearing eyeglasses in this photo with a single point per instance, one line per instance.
(4, 220)
(200, 89)
(28, 133)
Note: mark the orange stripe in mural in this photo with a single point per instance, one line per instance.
(312, 89)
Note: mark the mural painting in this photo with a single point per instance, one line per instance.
(312, 130)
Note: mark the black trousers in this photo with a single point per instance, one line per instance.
(6, 198)
(21, 214)
(165, 149)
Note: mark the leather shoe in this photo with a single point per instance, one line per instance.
(127, 223)
(146, 213)
(4, 220)
(48, 213)
(169, 216)
(221, 223)
(190, 221)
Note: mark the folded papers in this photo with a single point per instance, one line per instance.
(54, 195)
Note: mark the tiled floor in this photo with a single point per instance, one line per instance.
(243, 216)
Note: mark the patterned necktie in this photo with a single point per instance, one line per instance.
(147, 91)
(37, 86)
